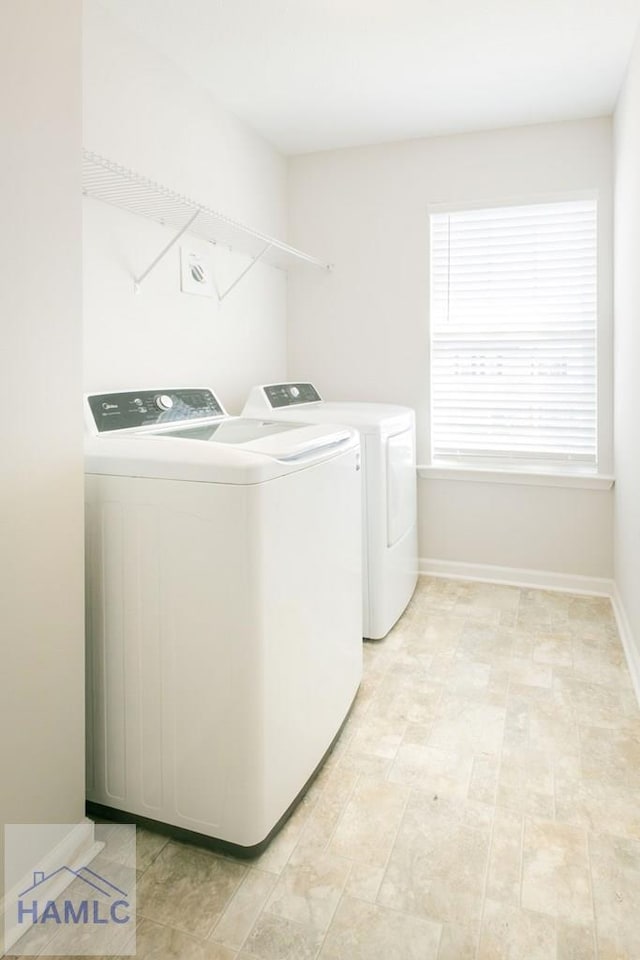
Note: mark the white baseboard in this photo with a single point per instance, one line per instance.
(517, 577)
(629, 646)
(77, 849)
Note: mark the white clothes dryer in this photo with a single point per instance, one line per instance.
(389, 494)
(223, 614)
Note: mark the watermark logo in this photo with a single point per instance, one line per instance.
(85, 911)
(79, 899)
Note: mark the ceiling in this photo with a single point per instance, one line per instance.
(320, 74)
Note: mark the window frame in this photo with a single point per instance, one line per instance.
(599, 475)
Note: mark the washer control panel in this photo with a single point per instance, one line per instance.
(148, 408)
(290, 394)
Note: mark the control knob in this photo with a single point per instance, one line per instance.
(164, 401)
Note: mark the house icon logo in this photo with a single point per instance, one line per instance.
(92, 900)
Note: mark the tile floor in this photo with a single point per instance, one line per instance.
(482, 803)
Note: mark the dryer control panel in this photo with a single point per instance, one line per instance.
(290, 394)
(152, 408)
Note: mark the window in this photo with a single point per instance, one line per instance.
(513, 336)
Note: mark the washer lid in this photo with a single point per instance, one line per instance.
(161, 455)
(230, 430)
(185, 434)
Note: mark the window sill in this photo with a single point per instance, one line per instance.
(585, 481)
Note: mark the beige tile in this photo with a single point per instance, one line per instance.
(11, 956)
(523, 640)
(485, 771)
(615, 865)
(368, 826)
(148, 846)
(457, 942)
(477, 613)
(526, 784)
(88, 941)
(600, 659)
(600, 805)
(528, 673)
(590, 609)
(316, 836)
(465, 677)
(595, 704)
(378, 737)
(442, 595)
(406, 696)
(188, 888)
(157, 942)
(364, 882)
(321, 823)
(364, 931)
(505, 858)
(543, 606)
(437, 867)
(276, 938)
(242, 912)
(309, 892)
(611, 754)
(575, 942)
(510, 933)
(363, 764)
(341, 780)
(483, 643)
(555, 871)
(417, 733)
(32, 942)
(412, 655)
(553, 649)
(277, 854)
(495, 596)
(58, 956)
(464, 725)
(439, 633)
(516, 726)
(607, 674)
(499, 682)
(474, 680)
(552, 728)
(117, 850)
(434, 771)
(376, 659)
(598, 638)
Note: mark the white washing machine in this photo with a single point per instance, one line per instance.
(223, 611)
(389, 501)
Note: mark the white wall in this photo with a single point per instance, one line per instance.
(627, 347)
(362, 331)
(41, 512)
(142, 112)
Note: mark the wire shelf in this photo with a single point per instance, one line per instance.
(112, 183)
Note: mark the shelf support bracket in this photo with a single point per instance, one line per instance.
(249, 266)
(143, 276)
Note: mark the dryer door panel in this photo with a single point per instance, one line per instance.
(401, 486)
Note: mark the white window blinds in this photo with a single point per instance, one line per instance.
(513, 334)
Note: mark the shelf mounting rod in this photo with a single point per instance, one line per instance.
(143, 276)
(249, 266)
